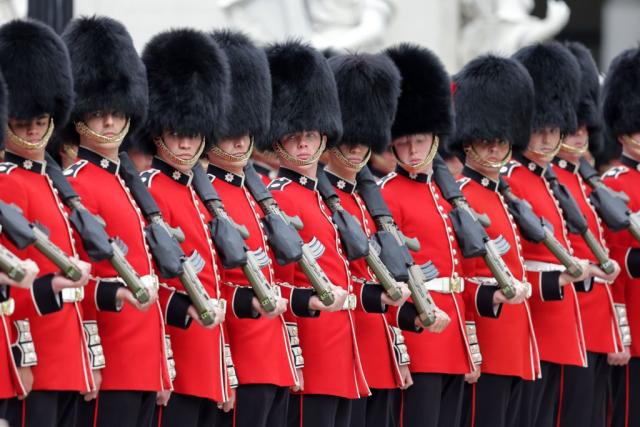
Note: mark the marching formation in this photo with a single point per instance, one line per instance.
(154, 271)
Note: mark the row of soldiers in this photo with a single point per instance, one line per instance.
(185, 296)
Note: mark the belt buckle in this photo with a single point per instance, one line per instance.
(7, 307)
(79, 294)
(219, 303)
(150, 281)
(455, 284)
(350, 302)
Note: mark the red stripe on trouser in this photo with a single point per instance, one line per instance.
(626, 395)
(560, 399)
(473, 405)
(301, 411)
(95, 411)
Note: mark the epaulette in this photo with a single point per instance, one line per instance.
(615, 172)
(7, 167)
(463, 181)
(509, 168)
(147, 176)
(75, 168)
(383, 181)
(278, 184)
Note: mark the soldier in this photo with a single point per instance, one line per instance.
(111, 99)
(587, 388)
(262, 354)
(493, 98)
(10, 381)
(438, 362)
(622, 119)
(189, 81)
(554, 304)
(367, 110)
(35, 64)
(305, 118)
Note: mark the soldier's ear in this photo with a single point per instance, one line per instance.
(623, 138)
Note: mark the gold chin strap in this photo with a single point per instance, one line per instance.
(346, 162)
(632, 141)
(233, 158)
(31, 145)
(84, 130)
(284, 155)
(573, 150)
(428, 159)
(162, 146)
(553, 153)
(471, 152)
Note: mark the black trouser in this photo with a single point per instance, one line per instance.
(319, 410)
(540, 398)
(86, 413)
(376, 410)
(125, 408)
(433, 400)
(4, 406)
(44, 409)
(625, 390)
(495, 401)
(188, 411)
(260, 405)
(584, 393)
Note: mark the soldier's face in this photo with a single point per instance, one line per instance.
(106, 123)
(354, 153)
(542, 144)
(630, 148)
(236, 147)
(302, 145)
(183, 147)
(491, 150)
(413, 149)
(32, 130)
(578, 140)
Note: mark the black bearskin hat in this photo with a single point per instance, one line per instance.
(189, 83)
(493, 99)
(305, 96)
(35, 64)
(250, 109)
(556, 79)
(621, 101)
(108, 73)
(425, 101)
(368, 89)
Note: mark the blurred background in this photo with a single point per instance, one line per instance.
(457, 30)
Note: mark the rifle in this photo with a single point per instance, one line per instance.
(97, 243)
(228, 239)
(536, 229)
(610, 205)
(468, 226)
(355, 241)
(163, 243)
(394, 248)
(576, 222)
(21, 233)
(285, 240)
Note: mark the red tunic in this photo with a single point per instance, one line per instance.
(557, 322)
(63, 361)
(198, 352)
(507, 342)
(261, 349)
(599, 320)
(626, 289)
(375, 341)
(330, 350)
(10, 385)
(128, 333)
(420, 211)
